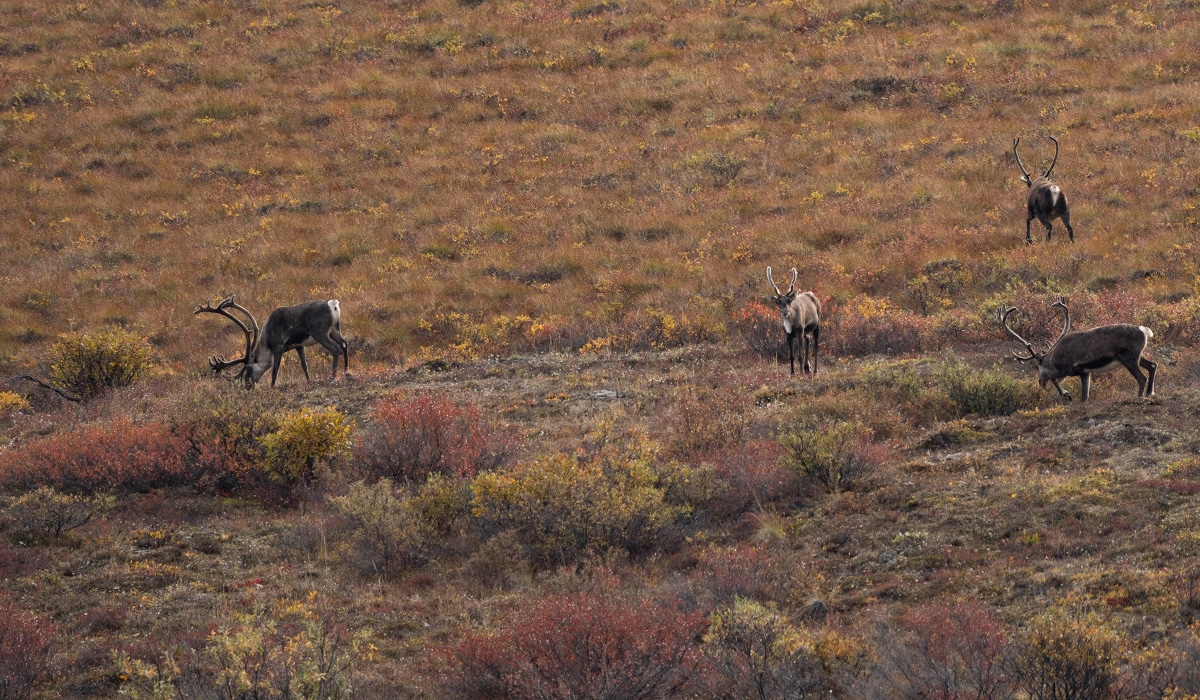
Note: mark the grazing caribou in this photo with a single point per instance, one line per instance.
(287, 328)
(801, 316)
(1082, 353)
(1046, 199)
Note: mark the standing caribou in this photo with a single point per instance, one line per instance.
(1082, 353)
(1046, 199)
(801, 316)
(287, 328)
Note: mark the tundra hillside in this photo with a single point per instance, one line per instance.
(568, 435)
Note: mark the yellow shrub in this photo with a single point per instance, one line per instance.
(302, 439)
(89, 364)
(11, 402)
(561, 508)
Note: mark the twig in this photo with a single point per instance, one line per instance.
(51, 387)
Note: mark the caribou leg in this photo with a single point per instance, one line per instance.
(303, 362)
(333, 349)
(1151, 368)
(816, 337)
(1061, 392)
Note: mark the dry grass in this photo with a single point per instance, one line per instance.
(501, 185)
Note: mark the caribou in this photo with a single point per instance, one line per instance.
(801, 313)
(1083, 353)
(287, 328)
(1046, 199)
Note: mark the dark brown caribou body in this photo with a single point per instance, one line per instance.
(1046, 199)
(1083, 353)
(287, 328)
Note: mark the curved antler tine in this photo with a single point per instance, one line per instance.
(795, 274)
(1003, 315)
(251, 338)
(1047, 174)
(219, 363)
(777, 292)
(1061, 303)
(1018, 157)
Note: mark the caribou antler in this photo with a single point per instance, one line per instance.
(1062, 304)
(1018, 157)
(777, 292)
(218, 362)
(1002, 315)
(1047, 173)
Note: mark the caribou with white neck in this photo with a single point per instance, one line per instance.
(1082, 353)
(801, 315)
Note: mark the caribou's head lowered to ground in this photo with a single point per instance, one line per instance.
(287, 328)
(1082, 353)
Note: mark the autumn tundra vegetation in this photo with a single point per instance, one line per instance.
(570, 461)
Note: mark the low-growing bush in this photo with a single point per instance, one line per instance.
(757, 652)
(839, 457)
(562, 508)
(410, 438)
(120, 455)
(760, 326)
(11, 402)
(1062, 657)
(953, 652)
(497, 564)
(302, 440)
(983, 392)
(702, 420)
(443, 503)
(581, 645)
(48, 513)
(25, 644)
(293, 649)
(867, 326)
(387, 536)
(89, 364)
(224, 426)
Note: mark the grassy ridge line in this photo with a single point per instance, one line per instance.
(577, 163)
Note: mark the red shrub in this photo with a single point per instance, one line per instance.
(867, 326)
(581, 645)
(24, 651)
(121, 455)
(410, 438)
(759, 324)
(946, 652)
(18, 561)
(745, 571)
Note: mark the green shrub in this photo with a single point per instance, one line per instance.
(443, 502)
(89, 364)
(562, 508)
(757, 652)
(1064, 657)
(302, 439)
(839, 457)
(48, 513)
(388, 536)
(983, 392)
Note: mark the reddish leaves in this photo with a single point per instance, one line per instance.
(410, 438)
(24, 651)
(582, 645)
(119, 455)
